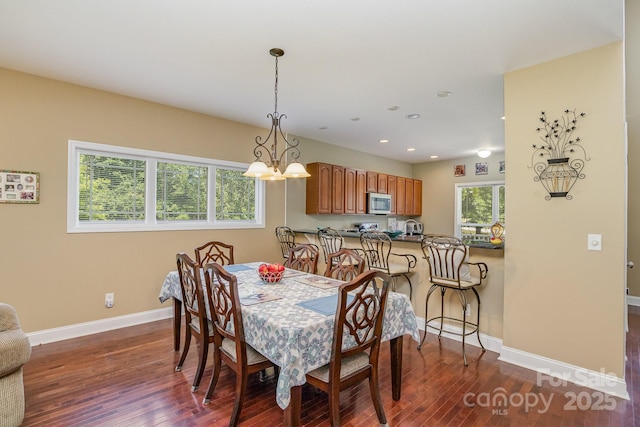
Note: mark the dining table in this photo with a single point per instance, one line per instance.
(291, 323)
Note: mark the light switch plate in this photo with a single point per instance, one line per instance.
(594, 242)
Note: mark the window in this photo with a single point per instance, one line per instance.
(478, 207)
(112, 189)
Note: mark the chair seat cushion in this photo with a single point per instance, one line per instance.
(253, 356)
(349, 365)
(464, 284)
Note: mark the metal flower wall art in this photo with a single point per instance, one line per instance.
(559, 160)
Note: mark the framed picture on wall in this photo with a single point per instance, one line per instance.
(482, 168)
(19, 187)
(501, 167)
(458, 170)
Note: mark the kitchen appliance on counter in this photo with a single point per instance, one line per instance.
(368, 226)
(413, 228)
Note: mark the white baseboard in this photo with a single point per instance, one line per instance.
(545, 367)
(562, 372)
(631, 300)
(448, 331)
(103, 325)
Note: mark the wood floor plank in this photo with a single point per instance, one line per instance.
(127, 378)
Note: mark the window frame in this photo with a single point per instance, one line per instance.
(76, 148)
(495, 207)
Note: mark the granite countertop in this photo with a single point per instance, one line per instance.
(411, 239)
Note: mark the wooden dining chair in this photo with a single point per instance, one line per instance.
(286, 238)
(449, 268)
(377, 248)
(345, 265)
(196, 321)
(303, 257)
(361, 305)
(230, 346)
(214, 251)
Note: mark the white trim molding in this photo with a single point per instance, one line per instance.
(452, 332)
(634, 301)
(545, 367)
(564, 372)
(103, 325)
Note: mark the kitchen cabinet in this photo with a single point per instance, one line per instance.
(408, 196)
(355, 191)
(400, 196)
(337, 193)
(391, 190)
(361, 191)
(333, 189)
(417, 197)
(319, 188)
(382, 183)
(372, 182)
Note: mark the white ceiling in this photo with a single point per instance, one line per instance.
(344, 59)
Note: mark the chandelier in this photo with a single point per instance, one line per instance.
(270, 169)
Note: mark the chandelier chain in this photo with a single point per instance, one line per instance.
(275, 91)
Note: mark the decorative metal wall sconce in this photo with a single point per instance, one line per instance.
(559, 160)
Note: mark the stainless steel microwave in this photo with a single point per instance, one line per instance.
(378, 204)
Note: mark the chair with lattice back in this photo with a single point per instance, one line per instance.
(377, 248)
(195, 314)
(449, 268)
(345, 265)
(215, 251)
(330, 241)
(303, 257)
(358, 324)
(230, 346)
(286, 238)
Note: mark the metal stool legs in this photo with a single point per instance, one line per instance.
(475, 327)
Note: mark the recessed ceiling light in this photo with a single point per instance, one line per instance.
(443, 93)
(355, 119)
(411, 149)
(383, 141)
(323, 127)
(393, 108)
(433, 157)
(413, 116)
(484, 153)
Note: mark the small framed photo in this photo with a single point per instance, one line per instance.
(501, 167)
(19, 187)
(482, 168)
(458, 170)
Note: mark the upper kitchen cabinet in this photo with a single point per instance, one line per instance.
(372, 182)
(401, 195)
(355, 194)
(392, 182)
(333, 189)
(382, 183)
(325, 189)
(417, 197)
(319, 188)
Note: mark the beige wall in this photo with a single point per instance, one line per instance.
(438, 188)
(632, 61)
(561, 300)
(56, 279)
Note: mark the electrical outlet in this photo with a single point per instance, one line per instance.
(468, 309)
(109, 300)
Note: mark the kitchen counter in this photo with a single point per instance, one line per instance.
(402, 238)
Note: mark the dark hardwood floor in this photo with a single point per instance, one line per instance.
(126, 378)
